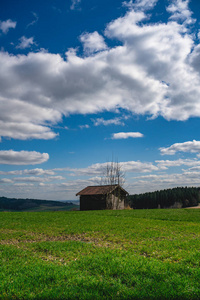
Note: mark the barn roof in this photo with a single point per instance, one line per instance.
(99, 190)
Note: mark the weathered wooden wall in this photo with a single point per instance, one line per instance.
(118, 199)
(92, 202)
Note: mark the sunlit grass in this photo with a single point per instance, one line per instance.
(132, 254)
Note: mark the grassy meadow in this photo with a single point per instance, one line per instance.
(130, 254)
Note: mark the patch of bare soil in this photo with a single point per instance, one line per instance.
(194, 207)
(43, 238)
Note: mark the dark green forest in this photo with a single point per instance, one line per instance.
(176, 197)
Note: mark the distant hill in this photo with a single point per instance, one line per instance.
(14, 204)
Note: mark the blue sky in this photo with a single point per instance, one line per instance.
(84, 82)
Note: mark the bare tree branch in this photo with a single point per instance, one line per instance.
(113, 174)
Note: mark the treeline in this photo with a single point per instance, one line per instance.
(14, 204)
(176, 197)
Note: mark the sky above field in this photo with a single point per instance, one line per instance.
(84, 82)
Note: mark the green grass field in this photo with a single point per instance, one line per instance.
(131, 254)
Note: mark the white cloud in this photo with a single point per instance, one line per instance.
(78, 184)
(11, 172)
(38, 179)
(21, 184)
(126, 135)
(98, 169)
(140, 4)
(138, 167)
(150, 183)
(92, 42)
(75, 4)
(84, 126)
(34, 21)
(25, 42)
(38, 172)
(196, 168)
(152, 72)
(191, 146)
(165, 164)
(11, 157)
(27, 179)
(24, 130)
(180, 11)
(102, 121)
(44, 185)
(5, 180)
(6, 25)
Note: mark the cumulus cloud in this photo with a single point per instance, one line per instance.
(24, 130)
(25, 42)
(126, 135)
(92, 42)
(180, 11)
(192, 147)
(10, 157)
(154, 71)
(6, 25)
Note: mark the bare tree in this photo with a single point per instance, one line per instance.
(113, 175)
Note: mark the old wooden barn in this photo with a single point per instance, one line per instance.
(102, 197)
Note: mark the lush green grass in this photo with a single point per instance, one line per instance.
(131, 254)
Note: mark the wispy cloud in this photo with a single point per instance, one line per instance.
(140, 4)
(6, 25)
(37, 179)
(150, 183)
(84, 126)
(99, 168)
(75, 4)
(38, 172)
(5, 180)
(148, 176)
(102, 121)
(36, 18)
(126, 135)
(165, 164)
